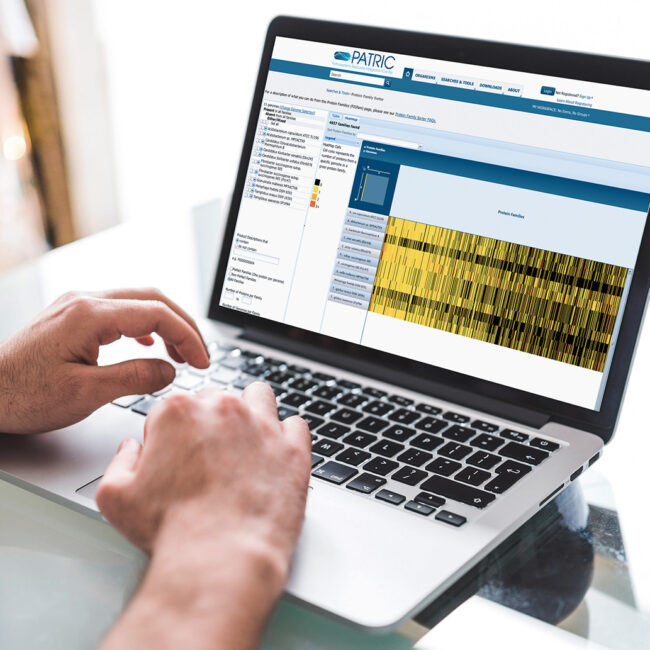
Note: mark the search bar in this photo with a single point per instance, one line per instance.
(351, 76)
(380, 139)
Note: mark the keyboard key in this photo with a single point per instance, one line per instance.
(243, 381)
(483, 460)
(501, 482)
(381, 466)
(276, 363)
(144, 406)
(234, 363)
(486, 427)
(372, 424)
(312, 421)
(127, 400)
(294, 399)
(427, 408)
(427, 442)
(374, 392)
(451, 518)
(285, 412)
(188, 381)
(456, 417)
(404, 416)
(523, 453)
(279, 377)
(332, 430)
(334, 472)
(443, 466)
(366, 483)
(256, 370)
(547, 445)
(377, 408)
(398, 433)
(415, 457)
(514, 435)
(472, 476)
(346, 416)
(386, 448)
(316, 460)
(400, 400)
(353, 456)
(390, 497)
(353, 400)
(278, 390)
(513, 468)
(302, 384)
(431, 425)
(320, 407)
(487, 442)
(321, 376)
(224, 376)
(458, 492)
(327, 447)
(508, 474)
(298, 370)
(359, 439)
(430, 499)
(327, 392)
(458, 433)
(455, 450)
(348, 385)
(420, 508)
(409, 475)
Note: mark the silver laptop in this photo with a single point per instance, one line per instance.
(437, 254)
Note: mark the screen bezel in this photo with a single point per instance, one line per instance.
(571, 65)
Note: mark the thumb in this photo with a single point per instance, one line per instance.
(118, 475)
(135, 377)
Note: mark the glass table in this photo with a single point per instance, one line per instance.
(577, 575)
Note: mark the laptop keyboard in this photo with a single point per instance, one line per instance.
(412, 455)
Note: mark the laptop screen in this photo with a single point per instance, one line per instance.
(481, 220)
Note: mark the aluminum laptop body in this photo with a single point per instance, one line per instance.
(448, 235)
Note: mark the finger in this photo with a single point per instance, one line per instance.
(152, 294)
(122, 468)
(297, 432)
(260, 398)
(134, 377)
(138, 318)
(145, 340)
(173, 353)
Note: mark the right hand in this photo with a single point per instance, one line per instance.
(213, 467)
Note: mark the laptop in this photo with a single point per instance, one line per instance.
(437, 253)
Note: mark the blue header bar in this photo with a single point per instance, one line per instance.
(574, 189)
(526, 105)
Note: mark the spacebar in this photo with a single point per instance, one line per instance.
(457, 491)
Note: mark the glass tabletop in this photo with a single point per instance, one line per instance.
(580, 565)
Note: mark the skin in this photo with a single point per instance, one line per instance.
(217, 492)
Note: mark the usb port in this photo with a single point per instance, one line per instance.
(577, 473)
(593, 459)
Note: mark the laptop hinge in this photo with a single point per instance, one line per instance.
(394, 375)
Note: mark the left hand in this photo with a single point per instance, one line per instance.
(49, 377)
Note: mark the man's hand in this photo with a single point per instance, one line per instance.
(49, 377)
(217, 494)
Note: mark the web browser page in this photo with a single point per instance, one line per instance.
(481, 220)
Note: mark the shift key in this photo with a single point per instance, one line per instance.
(444, 487)
(334, 472)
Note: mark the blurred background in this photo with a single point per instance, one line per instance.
(115, 110)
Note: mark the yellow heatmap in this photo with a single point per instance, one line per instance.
(544, 303)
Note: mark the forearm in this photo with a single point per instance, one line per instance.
(201, 594)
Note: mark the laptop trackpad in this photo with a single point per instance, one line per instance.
(89, 489)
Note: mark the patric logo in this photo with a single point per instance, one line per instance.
(366, 59)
